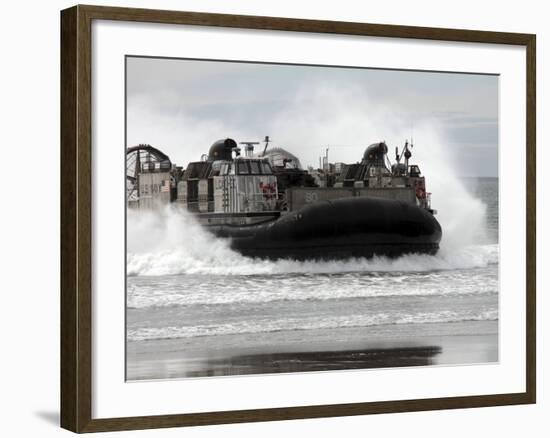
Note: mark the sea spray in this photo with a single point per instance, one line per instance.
(462, 215)
(170, 241)
(347, 119)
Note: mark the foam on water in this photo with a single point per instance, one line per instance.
(248, 290)
(274, 325)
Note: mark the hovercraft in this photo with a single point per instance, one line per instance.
(268, 206)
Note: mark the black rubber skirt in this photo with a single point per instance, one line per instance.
(338, 229)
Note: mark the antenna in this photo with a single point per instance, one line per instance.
(327, 168)
(325, 161)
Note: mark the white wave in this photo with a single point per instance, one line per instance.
(325, 322)
(188, 291)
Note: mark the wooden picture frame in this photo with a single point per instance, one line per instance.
(76, 217)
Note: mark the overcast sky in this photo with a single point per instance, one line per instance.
(183, 106)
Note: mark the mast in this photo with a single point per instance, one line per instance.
(267, 140)
(407, 156)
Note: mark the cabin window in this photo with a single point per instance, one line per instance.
(230, 169)
(243, 168)
(255, 168)
(266, 168)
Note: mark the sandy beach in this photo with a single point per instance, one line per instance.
(465, 342)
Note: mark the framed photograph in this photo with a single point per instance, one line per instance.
(269, 218)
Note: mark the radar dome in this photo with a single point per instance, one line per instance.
(279, 157)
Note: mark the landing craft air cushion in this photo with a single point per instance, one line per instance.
(268, 206)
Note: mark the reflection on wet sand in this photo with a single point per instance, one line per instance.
(322, 350)
(317, 361)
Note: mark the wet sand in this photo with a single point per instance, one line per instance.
(314, 350)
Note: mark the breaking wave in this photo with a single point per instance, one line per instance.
(275, 325)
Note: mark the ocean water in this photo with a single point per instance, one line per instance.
(184, 284)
